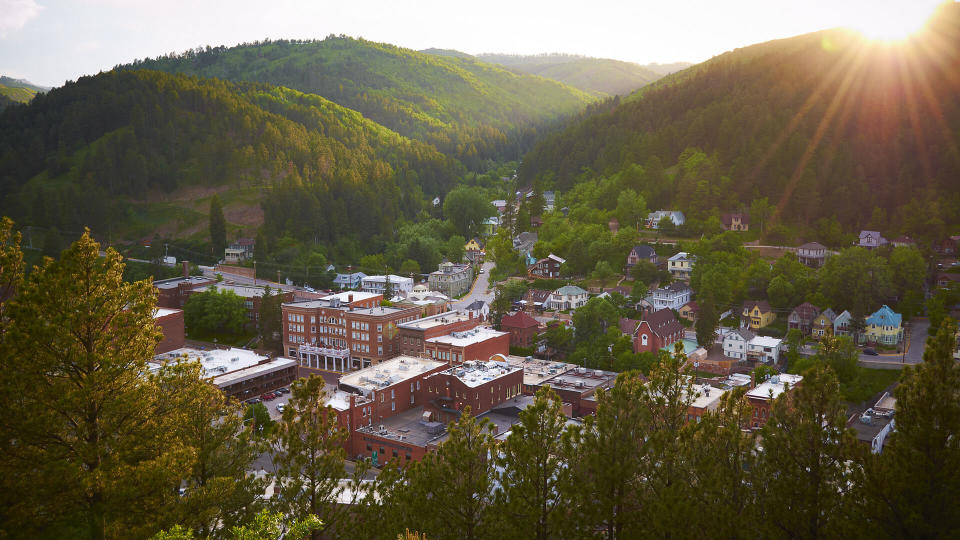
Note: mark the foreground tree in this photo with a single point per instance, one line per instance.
(912, 487)
(310, 458)
(534, 473)
(801, 474)
(11, 267)
(449, 494)
(609, 460)
(86, 444)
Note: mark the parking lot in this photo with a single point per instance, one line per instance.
(282, 399)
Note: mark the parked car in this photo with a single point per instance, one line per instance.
(281, 391)
(280, 407)
(268, 396)
(253, 401)
(870, 352)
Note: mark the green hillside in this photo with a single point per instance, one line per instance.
(17, 93)
(833, 130)
(599, 76)
(128, 152)
(466, 108)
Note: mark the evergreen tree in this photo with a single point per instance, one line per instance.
(534, 476)
(450, 492)
(11, 268)
(95, 454)
(911, 488)
(708, 320)
(609, 460)
(801, 478)
(269, 321)
(218, 227)
(310, 458)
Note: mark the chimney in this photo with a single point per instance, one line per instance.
(470, 313)
(350, 299)
(753, 380)
(186, 269)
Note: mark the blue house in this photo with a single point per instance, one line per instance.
(349, 281)
(884, 327)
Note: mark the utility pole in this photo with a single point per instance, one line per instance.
(254, 272)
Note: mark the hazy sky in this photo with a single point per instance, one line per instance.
(50, 41)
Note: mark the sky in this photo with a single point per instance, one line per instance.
(51, 41)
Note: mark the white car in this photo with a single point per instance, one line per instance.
(280, 407)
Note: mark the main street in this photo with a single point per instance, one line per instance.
(480, 289)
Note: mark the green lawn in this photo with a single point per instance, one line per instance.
(869, 383)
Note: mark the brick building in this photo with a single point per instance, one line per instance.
(413, 334)
(173, 293)
(536, 371)
(479, 343)
(762, 395)
(239, 373)
(170, 322)
(577, 386)
(343, 331)
(657, 330)
(523, 329)
(547, 267)
(480, 385)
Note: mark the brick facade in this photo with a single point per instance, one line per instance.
(170, 322)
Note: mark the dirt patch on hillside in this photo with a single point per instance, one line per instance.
(245, 215)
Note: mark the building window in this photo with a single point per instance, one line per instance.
(393, 405)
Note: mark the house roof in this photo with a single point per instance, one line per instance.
(806, 311)
(476, 305)
(762, 304)
(885, 317)
(556, 258)
(644, 252)
(727, 219)
(538, 295)
(744, 333)
(813, 246)
(518, 320)
(682, 256)
(627, 326)
(570, 290)
(662, 322)
(829, 314)
(692, 305)
(677, 287)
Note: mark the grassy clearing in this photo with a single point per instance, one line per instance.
(868, 383)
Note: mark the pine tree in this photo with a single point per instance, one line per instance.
(534, 474)
(218, 227)
(609, 461)
(269, 319)
(801, 477)
(94, 450)
(11, 268)
(913, 486)
(310, 457)
(450, 492)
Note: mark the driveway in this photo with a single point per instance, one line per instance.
(915, 338)
(480, 289)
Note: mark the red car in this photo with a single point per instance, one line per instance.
(268, 396)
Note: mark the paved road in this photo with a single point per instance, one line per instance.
(916, 339)
(479, 291)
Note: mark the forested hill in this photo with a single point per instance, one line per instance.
(827, 126)
(83, 154)
(596, 75)
(465, 108)
(17, 91)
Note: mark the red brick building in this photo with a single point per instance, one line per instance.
(523, 329)
(173, 293)
(578, 387)
(478, 385)
(657, 330)
(170, 322)
(762, 395)
(414, 334)
(342, 332)
(477, 344)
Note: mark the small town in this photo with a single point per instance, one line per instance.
(410, 271)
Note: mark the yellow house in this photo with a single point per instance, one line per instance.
(473, 245)
(884, 327)
(757, 314)
(689, 311)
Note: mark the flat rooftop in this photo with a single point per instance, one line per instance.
(467, 337)
(224, 366)
(535, 371)
(163, 312)
(775, 385)
(407, 427)
(173, 283)
(387, 373)
(339, 400)
(473, 373)
(765, 341)
(434, 321)
(582, 379)
(706, 397)
(342, 298)
(866, 432)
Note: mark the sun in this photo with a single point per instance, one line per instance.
(893, 21)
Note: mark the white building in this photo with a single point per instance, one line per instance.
(764, 349)
(378, 284)
(654, 218)
(567, 297)
(673, 296)
(737, 342)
